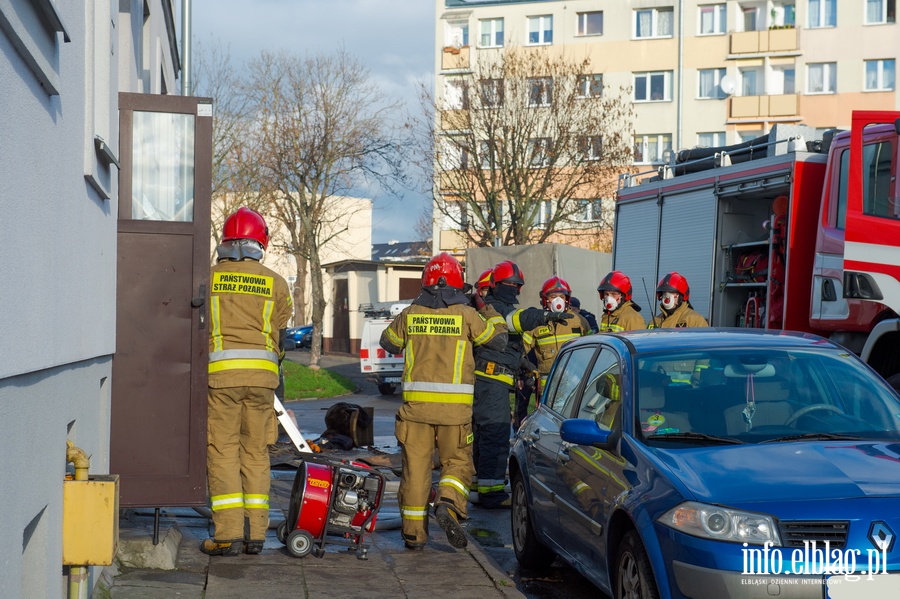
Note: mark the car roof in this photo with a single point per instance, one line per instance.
(653, 340)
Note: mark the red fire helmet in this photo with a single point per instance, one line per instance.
(508, 272)
(246, 224)
(555, 285)
(616, 281)
(444, 271)
(484, 279)
(674, 283)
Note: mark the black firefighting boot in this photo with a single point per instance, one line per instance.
(214, 547)
(253, 547)
(447, 520)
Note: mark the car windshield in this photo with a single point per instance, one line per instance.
(762, 395)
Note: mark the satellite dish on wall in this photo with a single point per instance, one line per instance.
(727, 84)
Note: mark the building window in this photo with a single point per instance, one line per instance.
(880, 75)
(784, 14)
(649, 148)
(491, 33)
(540, 30)
(539, 151)
(750, 16)
(491, 93)
(751, 78)
(821, 78)
(709, 80)
(486, 154)
(590, 211)
(655, 86)
(455, 155)
(714, 139)
(456, 34)
(544, 213)
(540, 91)
(590, 23)
(590, 86)
(654, 22)
(750, 135)
(590, 147)
(822, 13)
(456, 94)
(783, 80)
(879, 12)
(712, 19)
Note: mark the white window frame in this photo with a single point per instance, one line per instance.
(660, 141)
(777, 82)
(711, 139)
(456, 33)
(583, 22)
(455, 215)
(828, 77)
(491, 93)
(485, 153)
(818, 14)
(880, 75)
(758, 80)
(751, 11)
(456, 93)
(539, 152)
(780, 9)
(546, 91)
(654, 22)
(649, 75)
(544, 30)
(590, 147)
(882, 8)
(750, 135)
(719, 23)
(717, 93)
(544, 213)
(590, 211)
(495, 34)
(586, 85)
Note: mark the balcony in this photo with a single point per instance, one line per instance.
(454, 120)
(766, 41)
(455, 59)
(764, 107)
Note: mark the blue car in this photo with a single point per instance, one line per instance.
(712, 463)
(301, 336)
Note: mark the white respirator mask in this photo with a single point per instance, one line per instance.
(610, 303)
(669, 300)
(558, 304)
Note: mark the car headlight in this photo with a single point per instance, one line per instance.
(721, 524)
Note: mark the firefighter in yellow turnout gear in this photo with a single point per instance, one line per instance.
(564, 325)
(436, 335)
(250, 306)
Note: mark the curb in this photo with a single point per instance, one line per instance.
(501, 581)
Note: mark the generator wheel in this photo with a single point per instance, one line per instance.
(299, 543)
(281, 532)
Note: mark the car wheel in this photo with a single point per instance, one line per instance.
(530, 552)
(386, 388)
(634, 576)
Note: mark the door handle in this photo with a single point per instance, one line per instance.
(564, 456)
(196, 302)
(530, 438)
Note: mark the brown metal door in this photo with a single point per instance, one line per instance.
(159, 375)
(340, 339)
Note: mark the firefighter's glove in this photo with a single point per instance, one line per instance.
(557, 317)
(478, 302)
(526, 366)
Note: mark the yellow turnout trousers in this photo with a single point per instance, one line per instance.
(237, 459)
(417, 442)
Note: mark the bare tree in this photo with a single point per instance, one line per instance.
(525, 148)
(322, 128)
(234, 181)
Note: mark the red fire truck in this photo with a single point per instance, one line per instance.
(780, 233)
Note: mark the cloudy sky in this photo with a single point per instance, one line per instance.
(393, 38)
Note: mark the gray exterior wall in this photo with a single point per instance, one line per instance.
(58, 203)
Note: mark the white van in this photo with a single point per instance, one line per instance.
(385, 368)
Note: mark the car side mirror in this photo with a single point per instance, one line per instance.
(584, 431)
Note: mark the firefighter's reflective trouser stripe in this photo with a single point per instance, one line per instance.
(417, 441)
(238, 461)
(491, 425)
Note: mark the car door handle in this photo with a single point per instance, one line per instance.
(564, 456)
(530, 438)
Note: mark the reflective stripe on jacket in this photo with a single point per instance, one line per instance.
(623, 318)
(548, 339)
(681, 317)
(249, 305)
(439, 365)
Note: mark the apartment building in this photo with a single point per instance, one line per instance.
(701, 73)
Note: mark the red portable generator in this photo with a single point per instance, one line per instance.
(332, 501)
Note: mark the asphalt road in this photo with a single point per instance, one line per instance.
(491, 528)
